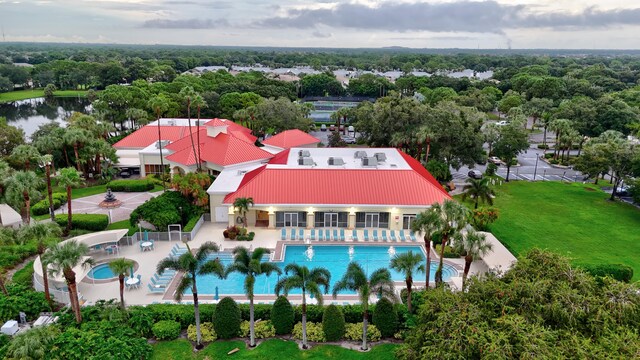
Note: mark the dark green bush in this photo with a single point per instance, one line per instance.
(92, 222)
(333, 323)
(135, 185)
(439, 170)
(164, 210)
(543, 146)
(42, 206)
(191, 224)
(619, 272)
(260, 311)
(385, 317)
(166, 330)
(449, 252)
(282, 316)
(226, 319)
(140, 320)
(491, 169)
(21, 299)
(178, 312)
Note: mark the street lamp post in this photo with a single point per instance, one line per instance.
(45, 163)
(535, 170)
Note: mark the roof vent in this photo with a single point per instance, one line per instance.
(369, 161)
(242, 172)
(172, 123)
(335, 161)
(393, 165)
(304, 153)
(360, 154)
(382, 157)
(306, 161)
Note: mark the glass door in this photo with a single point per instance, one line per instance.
(291, 219)
(331, 220)
(372, 220)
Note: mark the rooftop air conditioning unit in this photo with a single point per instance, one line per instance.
(360, 154)
(306, 161)
(369, 161)
(164, 143)
(172, 123)
(382, 157)
(304, 153)
(335, 161)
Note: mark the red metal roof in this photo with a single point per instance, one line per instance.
(223, 150)
(291, 138)
(148, 134)
(281, 158)
(303, 186)
(231, 126)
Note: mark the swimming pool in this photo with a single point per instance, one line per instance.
(333, 257)
(101, 272)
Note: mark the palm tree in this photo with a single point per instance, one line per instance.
(426, 223)
(159, 104)
(23, 186)
(193, 265)
(24, 154)
(44, 234)
(6, 172)
(76, 137)
(188, 94)
(121, 267)
(407, 263)
(199, 103)
(250, 264)
(61, 259)
(306, 280)
(426, 133)
(476, 246)
(452, 217)
(69, 178)
(242, 205)
(46, 161)
(478, 190)
(379, 283)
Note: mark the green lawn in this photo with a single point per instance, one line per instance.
(123, 224)
(268, 350)
(30, 94)
(93, 190)
(575, 220)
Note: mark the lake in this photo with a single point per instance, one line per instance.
(31, 113)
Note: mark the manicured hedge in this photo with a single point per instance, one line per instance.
(226, 319)
(619, 272)
(166, 330)
(93, 222)
(333, 323)
(385, 318)
(135, 185)
(164, 210)
(282, 316)
(42, 206)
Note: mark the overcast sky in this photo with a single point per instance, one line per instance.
(570, 24)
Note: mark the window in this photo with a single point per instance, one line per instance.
(331, 219)
(407, 221)
(291, 218)
(155, 169)
(372, 220)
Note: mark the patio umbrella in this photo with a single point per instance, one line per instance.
(216, 297)
(131, 272)
(146, 235)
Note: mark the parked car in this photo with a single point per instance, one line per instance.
(351, 129)
(125, 174)
(475, 174)
(502, 123)
(341, 128)
(332, 128)
(494, 159)
(349, 139)
(323, 127)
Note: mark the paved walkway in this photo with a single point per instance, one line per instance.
(89, 204)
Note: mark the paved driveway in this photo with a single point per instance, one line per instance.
(89, 204)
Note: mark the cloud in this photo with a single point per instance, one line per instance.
(185, 24)
(319, 34)
(206, 4)
(460, 16)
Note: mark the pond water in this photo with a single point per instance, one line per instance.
(31, 113)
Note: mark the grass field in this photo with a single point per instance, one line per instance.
(268, 350)
(575, 220)
(30, 94)
(93, 190)
(123, 224)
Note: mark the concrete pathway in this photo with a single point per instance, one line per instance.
(89, 204)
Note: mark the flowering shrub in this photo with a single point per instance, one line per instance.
(354, 332)
(206, 331)
(264, 329)
(314, 332)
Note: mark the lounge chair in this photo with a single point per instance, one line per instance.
(320, 235)
(312, 234)
(159, 283)
(327, 234)
(139, 281)
(156, 290)
(283, 234)
(393, 236)
(335, 235)
(403, 238)
(293, 233)
(375, 235)
(366, 235)
(384, 236)
(354, 235)
(300, 234)
(341, 234)
(412, 236)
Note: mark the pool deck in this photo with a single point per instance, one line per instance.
(267, 238)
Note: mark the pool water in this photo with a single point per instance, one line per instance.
(101, 272)
(334, 258)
